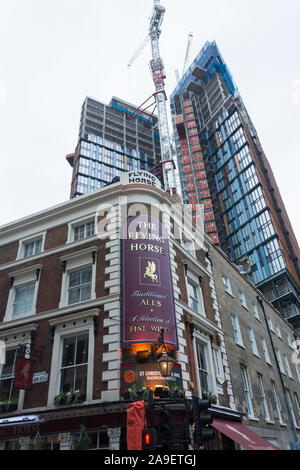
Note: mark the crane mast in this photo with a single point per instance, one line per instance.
(158, 75)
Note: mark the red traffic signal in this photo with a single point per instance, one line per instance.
(148, 439)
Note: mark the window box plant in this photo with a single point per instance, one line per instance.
(8, 406)
(209, 396)
(176, 392)
(60, 399)
(131, 394)
(162, 392)
(70, 398)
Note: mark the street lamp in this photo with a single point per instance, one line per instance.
(165, 362)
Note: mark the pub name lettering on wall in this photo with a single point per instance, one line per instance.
(152, 236)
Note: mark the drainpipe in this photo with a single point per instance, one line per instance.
(260, 301)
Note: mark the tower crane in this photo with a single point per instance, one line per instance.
(188, 51)
(187, 57)
(158, 75)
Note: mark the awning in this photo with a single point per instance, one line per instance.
(241, 434)
(19, 426)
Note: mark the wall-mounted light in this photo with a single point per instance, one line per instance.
(165, 362)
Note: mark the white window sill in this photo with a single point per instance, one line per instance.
(253, 418)
(268, 421)
(19, 317)
(256, 355)
(240, 345)
(284, 425)
(229, 293)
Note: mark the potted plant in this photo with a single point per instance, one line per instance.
(209, 396)
(37, 443)
(176, 392)
(60, 399)
(133, 393)
(162, 392)
(10, 405)
(83, 441)
(147, 393)
(79, 396)
(69, 397)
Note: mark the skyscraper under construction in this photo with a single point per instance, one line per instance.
(112, 139)
(222, 166)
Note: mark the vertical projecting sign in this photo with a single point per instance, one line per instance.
(24, 373)
(148, 303)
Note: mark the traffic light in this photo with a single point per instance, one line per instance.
(164, 425)
(148, 439)
(202, 418)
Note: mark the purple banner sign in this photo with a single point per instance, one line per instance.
(148, 302)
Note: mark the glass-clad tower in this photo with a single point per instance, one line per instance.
(223, 167)
(111, 142)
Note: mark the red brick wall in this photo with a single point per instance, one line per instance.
(8, 253)
(56, 236)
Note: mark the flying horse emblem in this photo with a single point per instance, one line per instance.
(150, 271)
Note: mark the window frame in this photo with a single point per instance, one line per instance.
(287, 366)
(80, 286)
(266, 350)
(75, 324)
(243, 300)
(277, 403)
(263, 397)
(256, 312)
(77, 223)
(18, 279)
(279, 359)
(74, 262)
(247, 391)
(13, 375)
(235, 323)
(204, 341)
(73, 366)
(218, 364)
(31, 239)
(253, 342)
(193, 278)
(12, 341)
(227, 284)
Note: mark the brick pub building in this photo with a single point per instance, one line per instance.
(63, 279)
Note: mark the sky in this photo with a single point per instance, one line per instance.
(54, 53)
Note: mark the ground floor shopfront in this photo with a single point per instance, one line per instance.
(105, 427)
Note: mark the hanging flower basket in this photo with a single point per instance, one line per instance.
(37, 443)
(83, 442)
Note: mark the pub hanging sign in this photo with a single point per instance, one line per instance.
(24, 373)
(148, 302)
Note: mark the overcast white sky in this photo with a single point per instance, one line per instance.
(55, 52)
